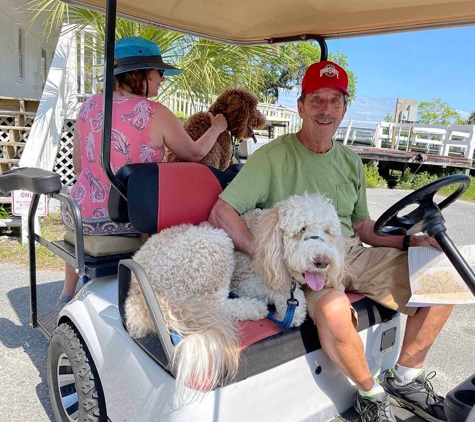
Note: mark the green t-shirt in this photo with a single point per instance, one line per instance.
(284, 167)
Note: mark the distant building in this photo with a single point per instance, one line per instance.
(406, 111)
(25, 53)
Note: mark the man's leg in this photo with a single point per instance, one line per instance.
(421, 331)
(341, 342)
(339, 338)
(383, 275)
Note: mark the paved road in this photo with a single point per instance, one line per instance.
(23, 391)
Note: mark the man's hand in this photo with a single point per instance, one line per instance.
(424, 240)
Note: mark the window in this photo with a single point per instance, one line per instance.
(21, 54)
(43, 68)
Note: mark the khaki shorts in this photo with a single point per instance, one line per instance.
(381, 274)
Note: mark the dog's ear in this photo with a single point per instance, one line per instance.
(269, 256)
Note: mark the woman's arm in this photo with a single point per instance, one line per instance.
(77, 165)
(167, 129)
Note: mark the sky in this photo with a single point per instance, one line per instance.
(421, 65)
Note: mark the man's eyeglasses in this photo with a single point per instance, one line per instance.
(161, 72)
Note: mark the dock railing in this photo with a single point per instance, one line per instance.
(446, 140)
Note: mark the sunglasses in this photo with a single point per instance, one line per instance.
(161, 72)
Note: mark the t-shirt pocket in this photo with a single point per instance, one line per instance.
(345, 199)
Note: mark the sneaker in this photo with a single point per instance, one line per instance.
(374, 408)
(418, 396)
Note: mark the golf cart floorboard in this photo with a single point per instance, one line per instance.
(48, 321)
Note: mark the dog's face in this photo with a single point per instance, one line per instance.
(239, 107)
(300, 238)
(311, 239)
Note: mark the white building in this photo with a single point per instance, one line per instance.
(25, 52)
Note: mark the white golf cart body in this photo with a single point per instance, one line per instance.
(309, 386)
(136, 388)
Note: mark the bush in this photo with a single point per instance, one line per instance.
(469, 193)
(4, 213)
(373, 179)
(408, 180)
(182, 117)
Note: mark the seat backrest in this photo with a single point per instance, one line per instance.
(162, 195)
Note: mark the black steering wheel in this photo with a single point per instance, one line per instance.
(427, 217)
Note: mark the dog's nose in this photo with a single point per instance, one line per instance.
(321, 262)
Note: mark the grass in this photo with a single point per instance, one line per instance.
(12, 251)
(408, 180)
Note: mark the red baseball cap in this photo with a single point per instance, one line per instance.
(325, 74)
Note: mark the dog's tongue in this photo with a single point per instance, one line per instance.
(314, 280)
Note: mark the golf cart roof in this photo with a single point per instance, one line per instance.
(254, 22)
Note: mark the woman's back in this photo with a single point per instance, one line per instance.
(130, 143)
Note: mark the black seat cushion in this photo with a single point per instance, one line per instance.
(32, 179)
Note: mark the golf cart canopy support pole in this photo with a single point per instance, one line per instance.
(107, 99)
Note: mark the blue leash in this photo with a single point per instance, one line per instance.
(292, 304)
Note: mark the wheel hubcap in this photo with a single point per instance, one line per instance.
(67, 388)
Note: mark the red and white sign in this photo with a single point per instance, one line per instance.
(21, 200)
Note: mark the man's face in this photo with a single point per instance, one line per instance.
(322, 112)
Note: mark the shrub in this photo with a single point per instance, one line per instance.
(373, 179)
(408, 180)
(4, 213)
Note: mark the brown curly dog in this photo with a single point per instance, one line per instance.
(239, 107)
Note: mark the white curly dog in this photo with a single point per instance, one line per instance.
(192, 270)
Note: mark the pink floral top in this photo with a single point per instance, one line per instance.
(130, 143)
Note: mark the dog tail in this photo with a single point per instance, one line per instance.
(208, 354)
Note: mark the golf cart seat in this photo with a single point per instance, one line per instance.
(103, 246)
(161, 195)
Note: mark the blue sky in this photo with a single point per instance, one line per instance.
(419, 65)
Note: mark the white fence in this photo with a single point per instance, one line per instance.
(451, 140)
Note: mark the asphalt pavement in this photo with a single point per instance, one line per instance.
(23, 390)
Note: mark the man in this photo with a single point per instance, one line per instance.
(310, 161)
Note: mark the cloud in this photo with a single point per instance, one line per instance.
(463, 114)
(372, 109)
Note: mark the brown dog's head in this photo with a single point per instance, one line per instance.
(239, 107)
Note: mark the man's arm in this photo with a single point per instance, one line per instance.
(364, 229)
(223, 216)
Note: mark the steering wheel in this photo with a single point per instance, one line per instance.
(427, 215)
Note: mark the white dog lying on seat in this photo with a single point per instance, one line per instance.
(192, 269)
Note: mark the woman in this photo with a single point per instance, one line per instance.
(140, 130)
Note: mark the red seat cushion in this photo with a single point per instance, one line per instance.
(251, 332)
(162, 195)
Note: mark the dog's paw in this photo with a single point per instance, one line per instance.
(245, 309)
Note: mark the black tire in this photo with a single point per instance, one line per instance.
(80, 397)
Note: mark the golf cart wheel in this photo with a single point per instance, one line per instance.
(74, 386)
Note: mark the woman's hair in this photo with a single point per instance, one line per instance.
(132, 82)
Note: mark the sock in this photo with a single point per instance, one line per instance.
(377, 389)
(406, 375)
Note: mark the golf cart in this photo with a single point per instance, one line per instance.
(96, 371)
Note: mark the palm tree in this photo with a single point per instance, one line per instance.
(471, 118)
(209, 66)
